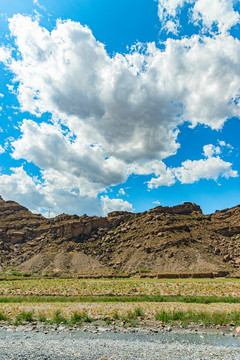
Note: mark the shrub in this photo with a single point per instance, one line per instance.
(115, 315)
(142, 271)
(87, 318)
(3, 317)
(42, 318)
(138, 312)
(16, 273)
(76, 318)
(24, 316)
(58, 318)
(131, 317)
(26, 275)
(108, 321)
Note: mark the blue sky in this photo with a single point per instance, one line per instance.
(119, 105)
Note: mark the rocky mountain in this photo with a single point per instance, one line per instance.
(163, 240)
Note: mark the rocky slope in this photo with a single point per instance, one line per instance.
(179, 239)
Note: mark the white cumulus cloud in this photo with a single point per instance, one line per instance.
(37, 196)
(210, 150)
(167, 178)
(210, 168)
(219, 12)
(192, 171)
(18, 186)
(207, 13)
(121, 192)
(115, 205)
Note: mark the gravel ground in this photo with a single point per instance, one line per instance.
(113, 343)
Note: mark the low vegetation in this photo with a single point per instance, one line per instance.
(203, 317)
(121, 301)
(129, 318)
(24, 316)
(122, 287)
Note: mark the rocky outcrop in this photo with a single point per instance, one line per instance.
(184, 209)
(164, 239)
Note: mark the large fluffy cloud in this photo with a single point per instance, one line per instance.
(130, 104)
(111, 101)
(114, 116)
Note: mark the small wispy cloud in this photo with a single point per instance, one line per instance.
(36, 2)
(121, 192)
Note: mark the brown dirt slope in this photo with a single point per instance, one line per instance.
(179, 239)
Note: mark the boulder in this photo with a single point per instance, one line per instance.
(238, 330)
(17, 237)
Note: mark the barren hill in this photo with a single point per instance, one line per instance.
(179, 239)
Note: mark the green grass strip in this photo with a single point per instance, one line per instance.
(116, 299)
(203, 317)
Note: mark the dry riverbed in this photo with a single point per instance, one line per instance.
(45, 342)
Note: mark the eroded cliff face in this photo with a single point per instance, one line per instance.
(162, 240)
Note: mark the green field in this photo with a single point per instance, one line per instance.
(123, 301)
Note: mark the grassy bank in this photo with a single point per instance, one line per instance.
(130, 318)
(199, 317)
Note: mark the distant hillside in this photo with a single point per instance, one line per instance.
(177, 239)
